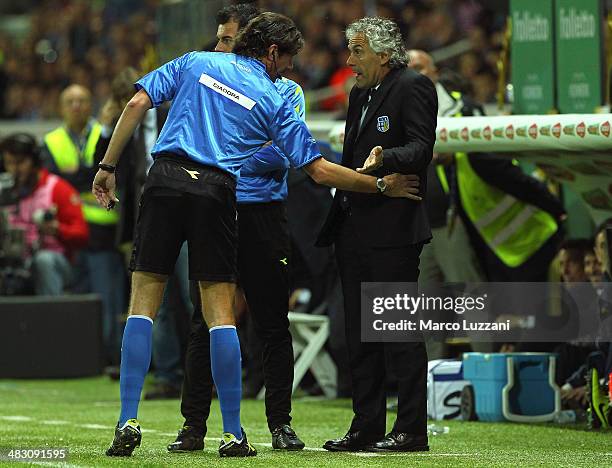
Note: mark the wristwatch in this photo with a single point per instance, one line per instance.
(380, 185)
(106, 167)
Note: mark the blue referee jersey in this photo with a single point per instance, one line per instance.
(224, 108)
(263, 177)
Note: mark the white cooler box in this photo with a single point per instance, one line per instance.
(444, 384)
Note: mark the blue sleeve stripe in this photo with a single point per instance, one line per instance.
(317, 156)
(138, 87)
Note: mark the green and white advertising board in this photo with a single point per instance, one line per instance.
(579, 55)
(532, 56)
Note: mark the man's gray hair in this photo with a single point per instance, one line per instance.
(383, 35)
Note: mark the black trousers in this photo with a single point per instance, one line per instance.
(372, 363)
(263, 268)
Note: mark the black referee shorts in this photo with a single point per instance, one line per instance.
(186, 201)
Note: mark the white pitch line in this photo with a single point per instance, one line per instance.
(54, 422)
(413, 454)
(16, 418)
(309, 449)
(434, 454)
(94, 426)
(58, 464)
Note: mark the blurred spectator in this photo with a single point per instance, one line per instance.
(571, 260)
(341, 81)
(602, 249)
(48, 210)
(465, 184)
(70, 152)
(572, 355)
(592, 267)
(584, 384)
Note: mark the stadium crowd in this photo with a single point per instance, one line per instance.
(75, 54)
(425, 24)
(66, 42)
(88, 43)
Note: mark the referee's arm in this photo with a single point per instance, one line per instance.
(334, 175)
(131, 116)
(103, 186)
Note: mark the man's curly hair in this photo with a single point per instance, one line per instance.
(383, 35)
(265, 30)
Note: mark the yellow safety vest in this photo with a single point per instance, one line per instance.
(439, 168)
(68, 160)
(513, 229)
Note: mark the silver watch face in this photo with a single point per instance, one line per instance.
(380, 184)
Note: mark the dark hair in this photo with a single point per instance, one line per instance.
(241, 13)
(453, 81)
(265, 30)
(22, 144)
(122, 86)
(577, 248)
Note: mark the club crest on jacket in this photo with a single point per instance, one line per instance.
(382, 123)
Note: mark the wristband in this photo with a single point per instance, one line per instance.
(107, 168)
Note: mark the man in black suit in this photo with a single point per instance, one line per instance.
(378, 238)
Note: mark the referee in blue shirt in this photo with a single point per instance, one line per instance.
(263, 267)
(224, 108)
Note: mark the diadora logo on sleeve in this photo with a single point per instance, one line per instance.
(242, 67)
(226, 91)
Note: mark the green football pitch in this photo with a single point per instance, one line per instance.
(80, 414)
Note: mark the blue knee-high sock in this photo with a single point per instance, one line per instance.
(135, 360)
(227, 374)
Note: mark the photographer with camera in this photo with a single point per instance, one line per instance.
(47, 209)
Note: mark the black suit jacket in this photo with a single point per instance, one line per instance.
(401, 118)
(130, 178)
